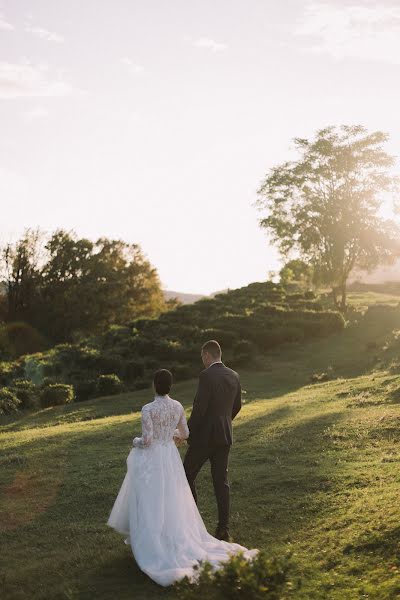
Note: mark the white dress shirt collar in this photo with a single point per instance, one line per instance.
(214, 363)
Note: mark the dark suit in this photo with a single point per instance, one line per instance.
(216, 404)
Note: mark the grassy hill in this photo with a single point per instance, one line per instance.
(247, 321)
(314, 471)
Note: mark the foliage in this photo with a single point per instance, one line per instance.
(296, 272)
(9, 371)
(247, 321)
(261, 578)
(244, 352)
(9, 402)
(108, 385)
(27, 392)
(55, 394)
(18, 338)
(325, 206)
(85, 389)
(89, 286)
(19, 268)
(64, 287)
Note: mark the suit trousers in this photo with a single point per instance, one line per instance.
(218, 456)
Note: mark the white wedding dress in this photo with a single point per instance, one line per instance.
(155, 508)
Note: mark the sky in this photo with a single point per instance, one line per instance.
(155, 122)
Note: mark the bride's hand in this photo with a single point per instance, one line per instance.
(179, 441)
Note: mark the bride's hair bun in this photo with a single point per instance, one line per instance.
(162, 382)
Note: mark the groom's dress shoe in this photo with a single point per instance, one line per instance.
(223, 535)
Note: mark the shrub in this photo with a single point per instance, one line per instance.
(85, 390)
(9, 402)
(141, 384)
(56, 394)
(22, 339)
(309, 295)
(27, 392)
(133, 370)
(9, 371)
(108, 385)
(261, 578)
(181, 372)
(244, 352)
(226, 338)
(110, 365)
(321, 377)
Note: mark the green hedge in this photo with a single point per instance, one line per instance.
(56, 394)
(108, 385)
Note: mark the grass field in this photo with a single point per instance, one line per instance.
(314, 471)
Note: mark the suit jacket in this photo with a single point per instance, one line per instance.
(217, 402)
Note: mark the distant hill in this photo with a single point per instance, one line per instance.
(182, 297)
(190, 298)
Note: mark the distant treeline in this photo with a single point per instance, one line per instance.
(62, 288)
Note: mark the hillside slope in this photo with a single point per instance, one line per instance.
(314, 471)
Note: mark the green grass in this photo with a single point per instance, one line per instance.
(314, 471)
(364, 299)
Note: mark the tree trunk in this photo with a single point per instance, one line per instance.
(343, 302)
(334, 296)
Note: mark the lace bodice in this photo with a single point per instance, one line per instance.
(162, 419)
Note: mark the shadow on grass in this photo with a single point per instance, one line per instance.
(385, 544)
(275, 479)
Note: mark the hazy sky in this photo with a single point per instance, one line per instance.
(155, 121)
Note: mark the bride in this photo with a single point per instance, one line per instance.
(155, 508)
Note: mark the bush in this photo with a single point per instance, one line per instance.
(56, 394)
(141, 384)
(110, 365)
(9, 371)
(85, 390)
(226, 338)
(108, 385)
(244, 352)
(133, 370)
(182, 372)
(9, 402)
(321, 377)
(27, 392)
(261, 578)
(21, 338)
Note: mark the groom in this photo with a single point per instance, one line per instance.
(216, 404)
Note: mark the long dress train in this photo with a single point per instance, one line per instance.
(155, 508)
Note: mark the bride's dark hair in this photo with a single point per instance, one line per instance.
(162, 382)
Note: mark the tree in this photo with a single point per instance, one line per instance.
(325, 205)
(20, 267)
(86, 286)
(69, 287)
(296, 271)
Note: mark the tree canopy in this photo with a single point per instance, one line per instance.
(69, 287)
(325, 206)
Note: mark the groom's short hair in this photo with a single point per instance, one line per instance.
(213, 348)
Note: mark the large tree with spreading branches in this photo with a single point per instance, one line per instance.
(326, 206)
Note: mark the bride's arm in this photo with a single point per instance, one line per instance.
(147, 430)
(182, 431)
